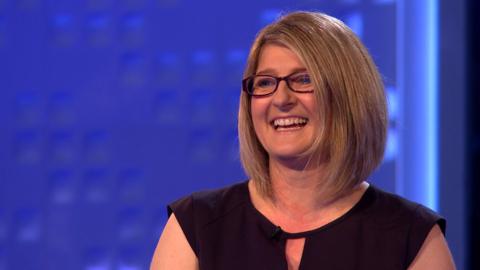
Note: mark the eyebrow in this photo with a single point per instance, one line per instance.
(270, 71)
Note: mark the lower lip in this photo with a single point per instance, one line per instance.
(284, 129)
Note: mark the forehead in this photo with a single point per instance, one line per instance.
(278, 59)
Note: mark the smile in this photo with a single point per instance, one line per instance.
(289, 123)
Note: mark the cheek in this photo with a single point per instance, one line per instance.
(312, 107)
(259, 112)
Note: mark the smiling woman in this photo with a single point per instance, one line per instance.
(285, 120)
(312, 127)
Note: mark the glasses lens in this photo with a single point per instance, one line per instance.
(263, 85)
(300, 82)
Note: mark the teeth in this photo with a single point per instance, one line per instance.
(289, 121)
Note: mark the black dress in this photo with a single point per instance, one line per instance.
(226, 232)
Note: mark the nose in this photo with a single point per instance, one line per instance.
(283, 98)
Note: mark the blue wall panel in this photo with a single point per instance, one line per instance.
(111, 109)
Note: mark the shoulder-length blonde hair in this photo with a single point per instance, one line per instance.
(349, 91)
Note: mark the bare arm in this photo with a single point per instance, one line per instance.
(434, 253)
(173, 251)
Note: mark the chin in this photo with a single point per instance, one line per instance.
(289, 154)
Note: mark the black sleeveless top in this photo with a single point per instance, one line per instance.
(226, 232)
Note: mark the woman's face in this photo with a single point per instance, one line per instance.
(285, 122)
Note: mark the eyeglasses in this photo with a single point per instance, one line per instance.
(264, 85)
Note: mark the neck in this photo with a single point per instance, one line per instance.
(298, 188)
(300, 195)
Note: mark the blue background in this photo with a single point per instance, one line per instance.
(111, 109)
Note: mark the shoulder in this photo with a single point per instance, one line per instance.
(211, 203)
(199, 209)
(402, 220)
(387, 208)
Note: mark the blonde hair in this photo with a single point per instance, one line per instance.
(350, 97)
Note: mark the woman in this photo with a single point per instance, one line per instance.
(312, 128)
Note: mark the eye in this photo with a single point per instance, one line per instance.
(264, 82)
(302, 78)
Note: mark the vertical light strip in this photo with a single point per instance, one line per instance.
(417, 83)
(431, 11)
(400, 27)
